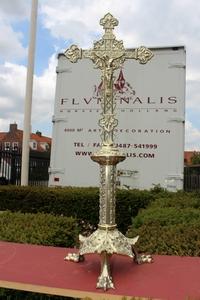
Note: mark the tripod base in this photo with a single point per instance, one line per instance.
(107, 242)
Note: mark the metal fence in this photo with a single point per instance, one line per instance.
(10, 170)
(192, 178)
(10, 167)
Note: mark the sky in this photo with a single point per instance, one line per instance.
(63, 22)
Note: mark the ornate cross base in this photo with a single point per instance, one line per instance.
(106, 241)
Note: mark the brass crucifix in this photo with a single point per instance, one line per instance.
(108, 55)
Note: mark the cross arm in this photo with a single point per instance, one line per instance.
(74, 53)
(142, 54)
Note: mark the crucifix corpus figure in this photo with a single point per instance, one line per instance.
(108, 55)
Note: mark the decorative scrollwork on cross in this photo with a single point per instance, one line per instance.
(73, 53)
(108, 54)
(108, 22)
(108, 122)
(143, 54)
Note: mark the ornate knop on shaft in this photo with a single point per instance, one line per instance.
(108, 54)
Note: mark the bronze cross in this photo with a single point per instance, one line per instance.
(108, 54)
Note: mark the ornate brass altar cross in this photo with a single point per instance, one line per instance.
(108, 54)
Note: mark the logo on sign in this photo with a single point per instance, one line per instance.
(124, 95)
(121, 86)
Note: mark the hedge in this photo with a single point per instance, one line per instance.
(42, 229)
(168, 229)
(81, 203)
(166, 216)
(179, 200)
(181, 239)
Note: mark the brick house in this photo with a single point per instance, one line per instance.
(188, 156)
(12, 140)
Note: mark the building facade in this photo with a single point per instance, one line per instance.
(12, 140)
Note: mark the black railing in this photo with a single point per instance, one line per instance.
(10, 167)
(10, 170)
(192, 178)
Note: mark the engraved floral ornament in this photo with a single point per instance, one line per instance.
(108, 122)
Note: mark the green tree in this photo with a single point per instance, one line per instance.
(195, 159)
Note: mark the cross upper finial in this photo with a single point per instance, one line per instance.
(108, 21)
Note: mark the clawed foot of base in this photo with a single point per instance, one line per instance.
(142, 259)
(76, 257)
(105, 279)
(105, 282)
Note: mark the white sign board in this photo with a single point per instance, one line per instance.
(151, 112)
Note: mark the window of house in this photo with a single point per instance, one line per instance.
(47, 147)
(34, 145)
(7, 145)
(15, 145)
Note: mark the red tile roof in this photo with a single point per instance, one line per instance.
(41, 138)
